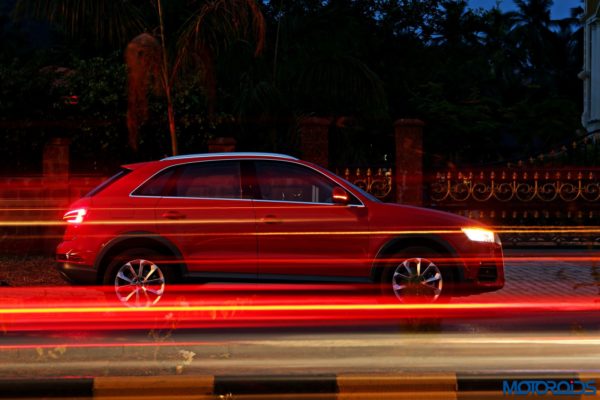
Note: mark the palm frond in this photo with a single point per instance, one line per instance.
(106, 21)
(212, 29)
(218, 23)
(341, 85)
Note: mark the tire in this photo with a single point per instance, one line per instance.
(415, 275)
(123, 273)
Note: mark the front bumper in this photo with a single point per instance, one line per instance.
(483, 270)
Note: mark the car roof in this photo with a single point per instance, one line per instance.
(229, 155)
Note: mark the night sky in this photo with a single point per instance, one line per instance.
(561, 8)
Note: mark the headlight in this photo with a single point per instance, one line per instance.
(481, 235)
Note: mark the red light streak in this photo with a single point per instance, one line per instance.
(71, 345)
(571, 306)
(243, 306)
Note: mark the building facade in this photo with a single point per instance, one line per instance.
(591, 67)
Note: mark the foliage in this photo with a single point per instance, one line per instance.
(106, 22)
(492, 86)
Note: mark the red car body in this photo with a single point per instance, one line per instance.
(260, 216)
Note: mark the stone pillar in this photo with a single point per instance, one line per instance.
(221, 145)
(56, 159)
(55, 168)
(409, 161)
(314, 140)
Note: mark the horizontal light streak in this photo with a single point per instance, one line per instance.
(324, 307)
(251, 222)
(573, 341)
(71, 345)
(496, 339)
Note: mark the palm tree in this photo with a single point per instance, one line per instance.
(567, 53)
(532, 34)
(106, 22)
(210, 30)
(152, 59)
(458, 25)
(499, 45)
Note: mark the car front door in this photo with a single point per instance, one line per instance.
(302, 234)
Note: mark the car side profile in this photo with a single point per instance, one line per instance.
(266, 217)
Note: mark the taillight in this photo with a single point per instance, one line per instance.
(75, 216)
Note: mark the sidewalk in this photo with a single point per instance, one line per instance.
(550, 277)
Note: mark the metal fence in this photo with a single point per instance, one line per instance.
(379, 183)
(534, 206)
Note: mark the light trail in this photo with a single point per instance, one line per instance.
(146, 342)
(245, 306)
(570, 306)
(271, 353)
(141, 343)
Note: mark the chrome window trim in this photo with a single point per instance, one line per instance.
(306, 202)
(232, 154)
(291, 161)
(190, 198)
(178, 165)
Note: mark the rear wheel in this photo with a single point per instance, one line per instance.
(139, 277)
(415, 275)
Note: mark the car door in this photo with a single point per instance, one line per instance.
(205, 215)
(302, 234)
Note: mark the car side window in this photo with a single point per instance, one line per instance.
(280, 181)
(157, 185)
(213, 179)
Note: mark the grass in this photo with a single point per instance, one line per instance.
(29, 271)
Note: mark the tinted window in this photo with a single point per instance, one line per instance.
(157, 185)
(292, 182)
(108, 182)
(219, 179)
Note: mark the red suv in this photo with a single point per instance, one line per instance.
(266, 217)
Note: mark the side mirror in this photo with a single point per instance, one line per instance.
(340, 196)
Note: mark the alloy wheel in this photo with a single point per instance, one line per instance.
(139, 283)
(417, 280)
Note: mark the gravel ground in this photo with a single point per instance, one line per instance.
(29, 271)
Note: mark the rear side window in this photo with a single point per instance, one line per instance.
(108, 182)
(216, 180)
(157, 185)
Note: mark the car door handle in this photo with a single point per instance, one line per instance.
(173, 215)
(271, 220)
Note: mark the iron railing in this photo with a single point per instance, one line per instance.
(379, 183)
(550, 194)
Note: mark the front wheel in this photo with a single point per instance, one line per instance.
(138, 278)
(416, 276)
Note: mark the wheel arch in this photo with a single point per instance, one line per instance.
(397, 244)
(132, 240)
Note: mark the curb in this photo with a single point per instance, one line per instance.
(340, 386)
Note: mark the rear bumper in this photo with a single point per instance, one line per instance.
(76, 263)
(77, 273)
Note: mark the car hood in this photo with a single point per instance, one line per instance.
(418, 217)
